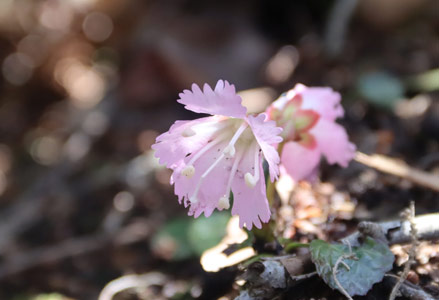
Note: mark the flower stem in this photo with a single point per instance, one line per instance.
(270, 192)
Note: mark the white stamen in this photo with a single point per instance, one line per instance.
(212, 166)
(230, 148)
(222, 200)
(188, 171)
(193, 199)
(194, 196)
(223, 203)
(229, 151)
(250, 179)
(188, 132)
(203, 150)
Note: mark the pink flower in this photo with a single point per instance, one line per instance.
(307, 115)
(213, 156)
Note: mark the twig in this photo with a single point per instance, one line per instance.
(334, 274)
(398, 232)
(409, 216)
(399, 168)
(351, 255)
(348, 243)
(123, 283)
(407, 289)
(303, 276)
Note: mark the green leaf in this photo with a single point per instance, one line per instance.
(425, 82)
(171, 240)
(204, 233)
(380, 88)
(255, 258)
(367, 264)
(294, 245)
(186, 237)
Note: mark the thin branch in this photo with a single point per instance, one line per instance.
(334, 275)
(304, 276)
(410, 217)
(124, 283)
(399, 168)
(407, 289)
(398, 232)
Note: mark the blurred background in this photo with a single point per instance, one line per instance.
(87, 85)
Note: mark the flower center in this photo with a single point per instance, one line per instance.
(295, 121)
(241, 141)
(250, 180)
(228, 151)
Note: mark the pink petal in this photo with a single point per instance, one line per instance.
(300, 162)
(222, 101)
(171, 146)
(213, 187)
(267, 135)
(250, 204)
(323, 100)
(333, 142)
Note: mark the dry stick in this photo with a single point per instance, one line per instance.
(408, 289)
(399, 168)
(398, 232)
(304, 276)
(126, 282)
(351, 255)
(409, 215)
(334, 274)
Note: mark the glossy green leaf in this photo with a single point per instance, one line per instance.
(371, 261)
